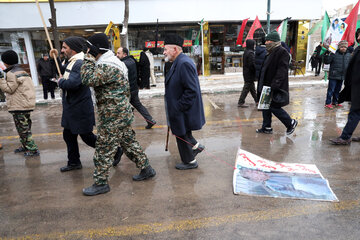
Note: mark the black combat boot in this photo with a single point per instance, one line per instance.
(96, 189)
(145, 173)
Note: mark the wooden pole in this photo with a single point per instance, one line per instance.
(167, 139)
(47, 35)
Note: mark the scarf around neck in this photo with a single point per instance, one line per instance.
(271, 46)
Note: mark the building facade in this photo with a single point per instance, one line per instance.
(21, 27)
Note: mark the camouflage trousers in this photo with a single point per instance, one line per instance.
(109, 137)
(23, 126)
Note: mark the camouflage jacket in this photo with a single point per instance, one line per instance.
(108, 77)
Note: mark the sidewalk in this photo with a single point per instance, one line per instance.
(210, 84)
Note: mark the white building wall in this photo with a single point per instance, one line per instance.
(85, 13)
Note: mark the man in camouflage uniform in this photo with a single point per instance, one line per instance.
(20, 92)
(103, 71)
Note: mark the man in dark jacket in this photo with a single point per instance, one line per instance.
(184, 106)
(248, 73)
(351, 93)
(274, 74)
(123, 55)
(144, 70)
(260, 54)
(319, 58)
(338, 65)
(78, 110)
(46, 72)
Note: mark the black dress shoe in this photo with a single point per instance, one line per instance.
(70, 168)
(145, 173)
(117, 157)
(186, 166)
(96, 189)
(151, 123)
(198, 150)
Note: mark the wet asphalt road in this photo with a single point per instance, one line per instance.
(39, 202)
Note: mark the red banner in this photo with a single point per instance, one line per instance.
(187, 43)
(151, 44)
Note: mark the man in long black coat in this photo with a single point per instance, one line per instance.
(144, 70)
(351, 93)
(130, 62)
(275, 74)
(184, 106)
(78, 110)
(248, 73)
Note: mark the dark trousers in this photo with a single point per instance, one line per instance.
(135, 101)
(249, 86)
(318, 67)
(144, 82)
(185, 144)
(280, 113)
(73, 147)
(48, 86)
(333, 91)
(353, 120)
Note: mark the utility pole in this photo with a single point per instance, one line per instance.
(52, 21)
(268, 16)
(202, 46)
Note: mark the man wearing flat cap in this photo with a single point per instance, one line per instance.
(78, 110)
(183, 102)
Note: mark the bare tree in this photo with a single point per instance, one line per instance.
(124, 31)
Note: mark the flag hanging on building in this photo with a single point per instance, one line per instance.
(241, 33)
(282, 30)
(256, 24)
(351, 21)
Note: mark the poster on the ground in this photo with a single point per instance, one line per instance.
(334, 34)
(254, 175)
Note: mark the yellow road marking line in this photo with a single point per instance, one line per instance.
(226, 121)
(199, 223)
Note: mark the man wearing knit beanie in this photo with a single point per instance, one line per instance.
(274, 74)
(20, 94)
(78, 111)
(103, 71)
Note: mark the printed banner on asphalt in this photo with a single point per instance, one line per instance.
(254, 175)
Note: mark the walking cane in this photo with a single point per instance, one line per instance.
(167, 139)
(48, 37)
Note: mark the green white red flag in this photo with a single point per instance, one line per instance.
(282, 30)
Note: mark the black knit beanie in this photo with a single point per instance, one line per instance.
(100, 40)
(75, 43)
(10, 57)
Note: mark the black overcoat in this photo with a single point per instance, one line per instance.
(78, 109)
(275, 74)
(249, 61)
(352, 82)
(184, 104)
